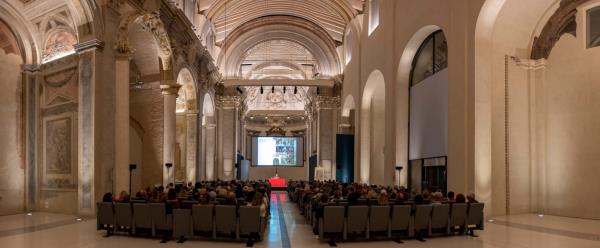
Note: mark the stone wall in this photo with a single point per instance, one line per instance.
(146, 107)
(12, 168)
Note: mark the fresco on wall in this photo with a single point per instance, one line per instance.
(58, 45)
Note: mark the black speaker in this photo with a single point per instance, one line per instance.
(169, 165)
(132, 167)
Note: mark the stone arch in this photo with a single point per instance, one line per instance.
(186, 127)
(187, 92)
(372, 167)
(152, 23)
(402, 96)
(22, 32)
(207, 168)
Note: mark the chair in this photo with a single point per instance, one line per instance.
(106, 217)
(422, 219)
(188, 204)
(161, 220)
(203, 219)
(250, 221)
(124, 216)
(401, 219)
(458, 216)
(439, 218)
(182, 224)
(358, 219)
(379, 219)
(226, 219)
(332, 221)
(141, 217)
(475, 217)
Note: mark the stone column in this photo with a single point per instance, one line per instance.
(227, 109)
(210, 141)
(327, 112)
(121, 169)
(192, 145)
(95, 119)
(169, 92)
(31, 90)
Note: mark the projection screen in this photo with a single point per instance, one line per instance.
(277, 151)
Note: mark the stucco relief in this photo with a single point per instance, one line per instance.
(58, 153)
(60, 87)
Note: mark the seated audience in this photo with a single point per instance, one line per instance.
(471, 198)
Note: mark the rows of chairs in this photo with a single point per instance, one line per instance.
(401, 220)
(192, 221)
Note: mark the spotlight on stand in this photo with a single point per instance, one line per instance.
(131, 168)
(295, 90)
(273, 89)
(261, 90)
(239, 90)
(318, 91)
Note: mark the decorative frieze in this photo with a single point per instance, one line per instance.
(228, 102)
(328, 102)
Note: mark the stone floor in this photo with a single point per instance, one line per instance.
(289, 229)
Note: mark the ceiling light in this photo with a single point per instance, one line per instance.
(79, 219)
(261, 90)
(491, 220)
(284, 89)
(541, 215)
(295, 89)
(273, 89)
(251, 117)
(29, 214)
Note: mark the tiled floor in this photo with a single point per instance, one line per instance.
(288, 229)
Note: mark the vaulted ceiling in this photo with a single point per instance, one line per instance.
(331, 15)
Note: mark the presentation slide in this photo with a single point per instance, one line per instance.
(277, 151)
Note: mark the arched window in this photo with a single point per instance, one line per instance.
(431, 58)
(593, 27)
(348, 46)
(373, 15)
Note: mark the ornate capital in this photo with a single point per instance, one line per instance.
(328, 102)
(228, 102)
(530, 64)
(170, 89)
(30, 68)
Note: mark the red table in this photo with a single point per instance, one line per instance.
(277, 182)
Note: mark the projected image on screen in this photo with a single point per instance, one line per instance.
(276, 151)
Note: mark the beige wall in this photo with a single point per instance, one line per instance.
(572, 106)
(12, 173)
(383, 50)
